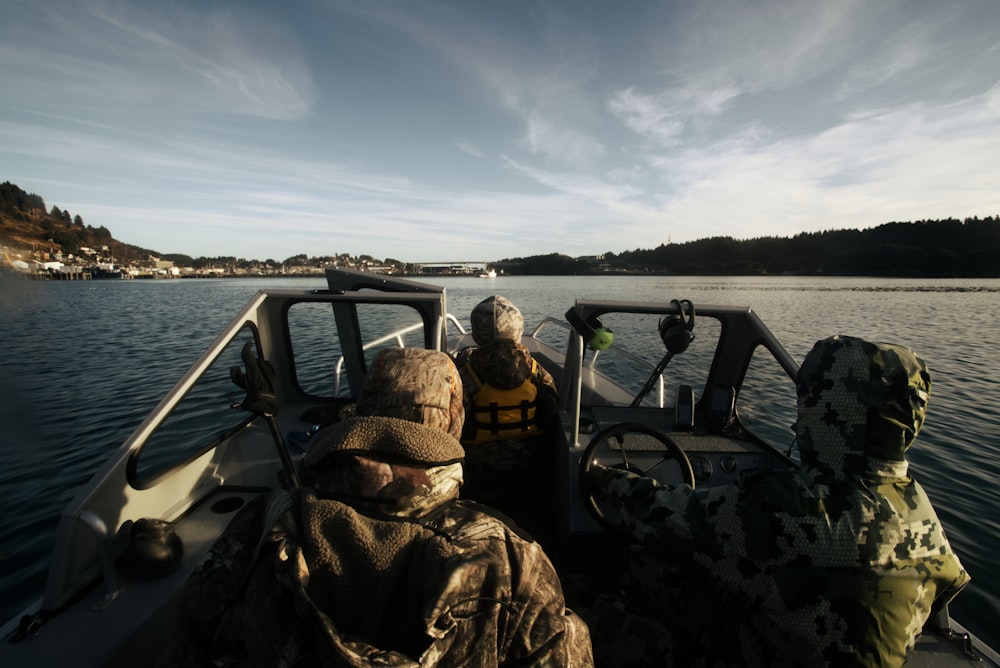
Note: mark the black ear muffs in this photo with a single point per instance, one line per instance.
(595, 335)
(676, 330)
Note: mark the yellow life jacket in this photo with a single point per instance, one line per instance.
(501, 414)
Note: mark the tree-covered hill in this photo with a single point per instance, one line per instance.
(927, 248)
(26, 224)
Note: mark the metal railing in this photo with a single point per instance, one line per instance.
(397, 336)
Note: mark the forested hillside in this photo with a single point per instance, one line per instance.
(928, 248)
(25, 224)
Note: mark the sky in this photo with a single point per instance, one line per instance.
(428, 131)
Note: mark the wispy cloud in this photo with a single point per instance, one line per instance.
(586, 186)
(468, 148)
(544, 82)
(889, 164)
(434, 127)
(142, 56)
(559, 143)
(663, 117)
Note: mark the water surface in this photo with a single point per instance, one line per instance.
(85, 361)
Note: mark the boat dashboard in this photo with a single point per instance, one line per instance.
(716, 458)
(648, 442)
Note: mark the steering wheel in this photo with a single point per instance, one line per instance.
(658, 444)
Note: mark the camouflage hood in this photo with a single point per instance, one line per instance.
(860, 405)
(417, 385)
(391, 465)
(496, 318)
(503, 364)
(400, 454)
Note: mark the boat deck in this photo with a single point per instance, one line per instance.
(133, 625)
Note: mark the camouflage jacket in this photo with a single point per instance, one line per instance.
(378, 564)
(801, 585)
(839, 561)
(505, 365)
(509, 474)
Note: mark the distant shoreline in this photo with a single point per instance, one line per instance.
(42, 277)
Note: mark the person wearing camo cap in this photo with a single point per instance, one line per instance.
(511, 404)
(377, 561)
(499, 366)
(839, 561)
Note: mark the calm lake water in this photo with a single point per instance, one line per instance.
(85, 361)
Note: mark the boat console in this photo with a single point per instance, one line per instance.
(684, 423)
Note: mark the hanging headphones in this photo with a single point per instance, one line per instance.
(594, 334)
(676, 330)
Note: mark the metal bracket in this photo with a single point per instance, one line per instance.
(105, 553)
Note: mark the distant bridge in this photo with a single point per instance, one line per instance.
(453, 267)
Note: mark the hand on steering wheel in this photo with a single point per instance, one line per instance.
(614, 442)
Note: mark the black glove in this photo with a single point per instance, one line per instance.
(591, 481)
(258, 381)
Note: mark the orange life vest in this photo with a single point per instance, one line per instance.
(501, 414)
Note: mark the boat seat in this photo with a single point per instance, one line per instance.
(515, 477)
(720, 407)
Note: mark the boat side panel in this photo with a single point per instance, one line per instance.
(128, 630)
(249, 458)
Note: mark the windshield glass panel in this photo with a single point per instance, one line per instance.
(766, 403)
(638, 350)
(203, 417)
(317, 350)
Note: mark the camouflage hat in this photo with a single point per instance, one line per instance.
(496, 318)
(859, 400)
(390, 436)
(417, 385)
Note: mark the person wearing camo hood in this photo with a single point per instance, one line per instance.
(511, 403)
(377, 561)
(839, 561)
(523, 394)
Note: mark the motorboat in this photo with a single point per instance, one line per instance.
(105, 271)
(721, 407)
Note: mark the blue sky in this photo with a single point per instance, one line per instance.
(431, 131)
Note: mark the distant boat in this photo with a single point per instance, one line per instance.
(492, 273)
(102, 271)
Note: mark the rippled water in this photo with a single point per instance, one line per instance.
(83, 362)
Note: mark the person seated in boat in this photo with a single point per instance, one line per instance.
(376, 561)
(510, 404)
(838, 561)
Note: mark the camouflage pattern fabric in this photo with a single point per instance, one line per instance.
(499, 358)
(511, 475)
(837, 562)
(879, 393)
(414, 384)
(472, 593)
(506, 365)
(384, 464)
(496, 318)
(377, 562)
